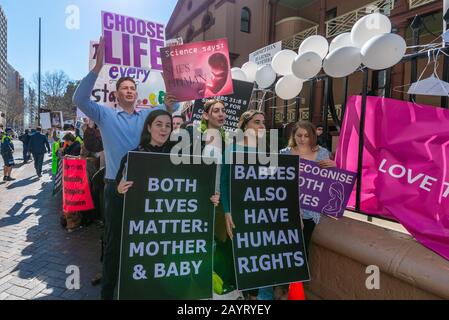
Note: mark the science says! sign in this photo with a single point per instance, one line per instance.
(168, 226)
(198, 70)
(268, 241)
(132, 42)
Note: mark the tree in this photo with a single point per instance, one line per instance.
(53, 88)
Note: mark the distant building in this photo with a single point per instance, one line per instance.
(15, 96)
(3, 65)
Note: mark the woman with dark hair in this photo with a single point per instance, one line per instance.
(304, 143)
(155, 137)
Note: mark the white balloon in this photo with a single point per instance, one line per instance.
(391, 46)
(368, 27)
(342, 62)
(250, 69)
(238, 74)
(317, 44)
(265, 76)
(288, 87)
(340, 41)
(307, 65)
(282, 62)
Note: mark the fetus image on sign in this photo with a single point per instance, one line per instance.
(335, 204)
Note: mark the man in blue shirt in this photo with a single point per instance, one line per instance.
(120, 131)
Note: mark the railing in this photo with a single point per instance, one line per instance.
(413, 4)
(294, 42)
(303, 114)
(344, 23)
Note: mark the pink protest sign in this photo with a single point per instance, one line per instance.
(405, 165)
(198, 70)
(132, 42)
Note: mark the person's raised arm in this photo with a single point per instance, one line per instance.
(81, 98)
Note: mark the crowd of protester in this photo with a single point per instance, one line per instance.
(107, 135)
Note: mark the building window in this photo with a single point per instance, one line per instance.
(207, 20)
(331, 14)
(245, 23)
(189, 5)
(189, 34)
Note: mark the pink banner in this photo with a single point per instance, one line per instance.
(405, 168)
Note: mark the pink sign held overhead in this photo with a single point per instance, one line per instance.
(198, 70)
(405, 165)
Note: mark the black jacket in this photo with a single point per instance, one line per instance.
(166, 148)
(38, 143)
(73, 150)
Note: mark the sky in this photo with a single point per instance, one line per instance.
(63, 48)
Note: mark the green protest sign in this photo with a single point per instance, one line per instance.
(268, 241)
(167, 232)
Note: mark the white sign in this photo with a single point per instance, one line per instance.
(150, 84)
(265, 55)
(45, 121)
(56, 119)
(174, 42)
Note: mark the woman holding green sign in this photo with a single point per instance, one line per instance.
(251, 122)
(212, 138)
(155, 138)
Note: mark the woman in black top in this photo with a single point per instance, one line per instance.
(155, 138)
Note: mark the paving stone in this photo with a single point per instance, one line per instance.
(17, 291)
(3, 295)
(35, 250)
(5, 286)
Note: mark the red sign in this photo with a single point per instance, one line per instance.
(197, 70)
(76, 192)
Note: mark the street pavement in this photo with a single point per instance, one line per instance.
(35, 250)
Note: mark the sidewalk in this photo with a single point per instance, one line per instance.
(34, 249)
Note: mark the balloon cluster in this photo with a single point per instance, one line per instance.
(370, 43)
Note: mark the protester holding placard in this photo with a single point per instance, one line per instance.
(212, 127)
(252, 121)
(120, 130)
(304, 143)
(154, 138)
